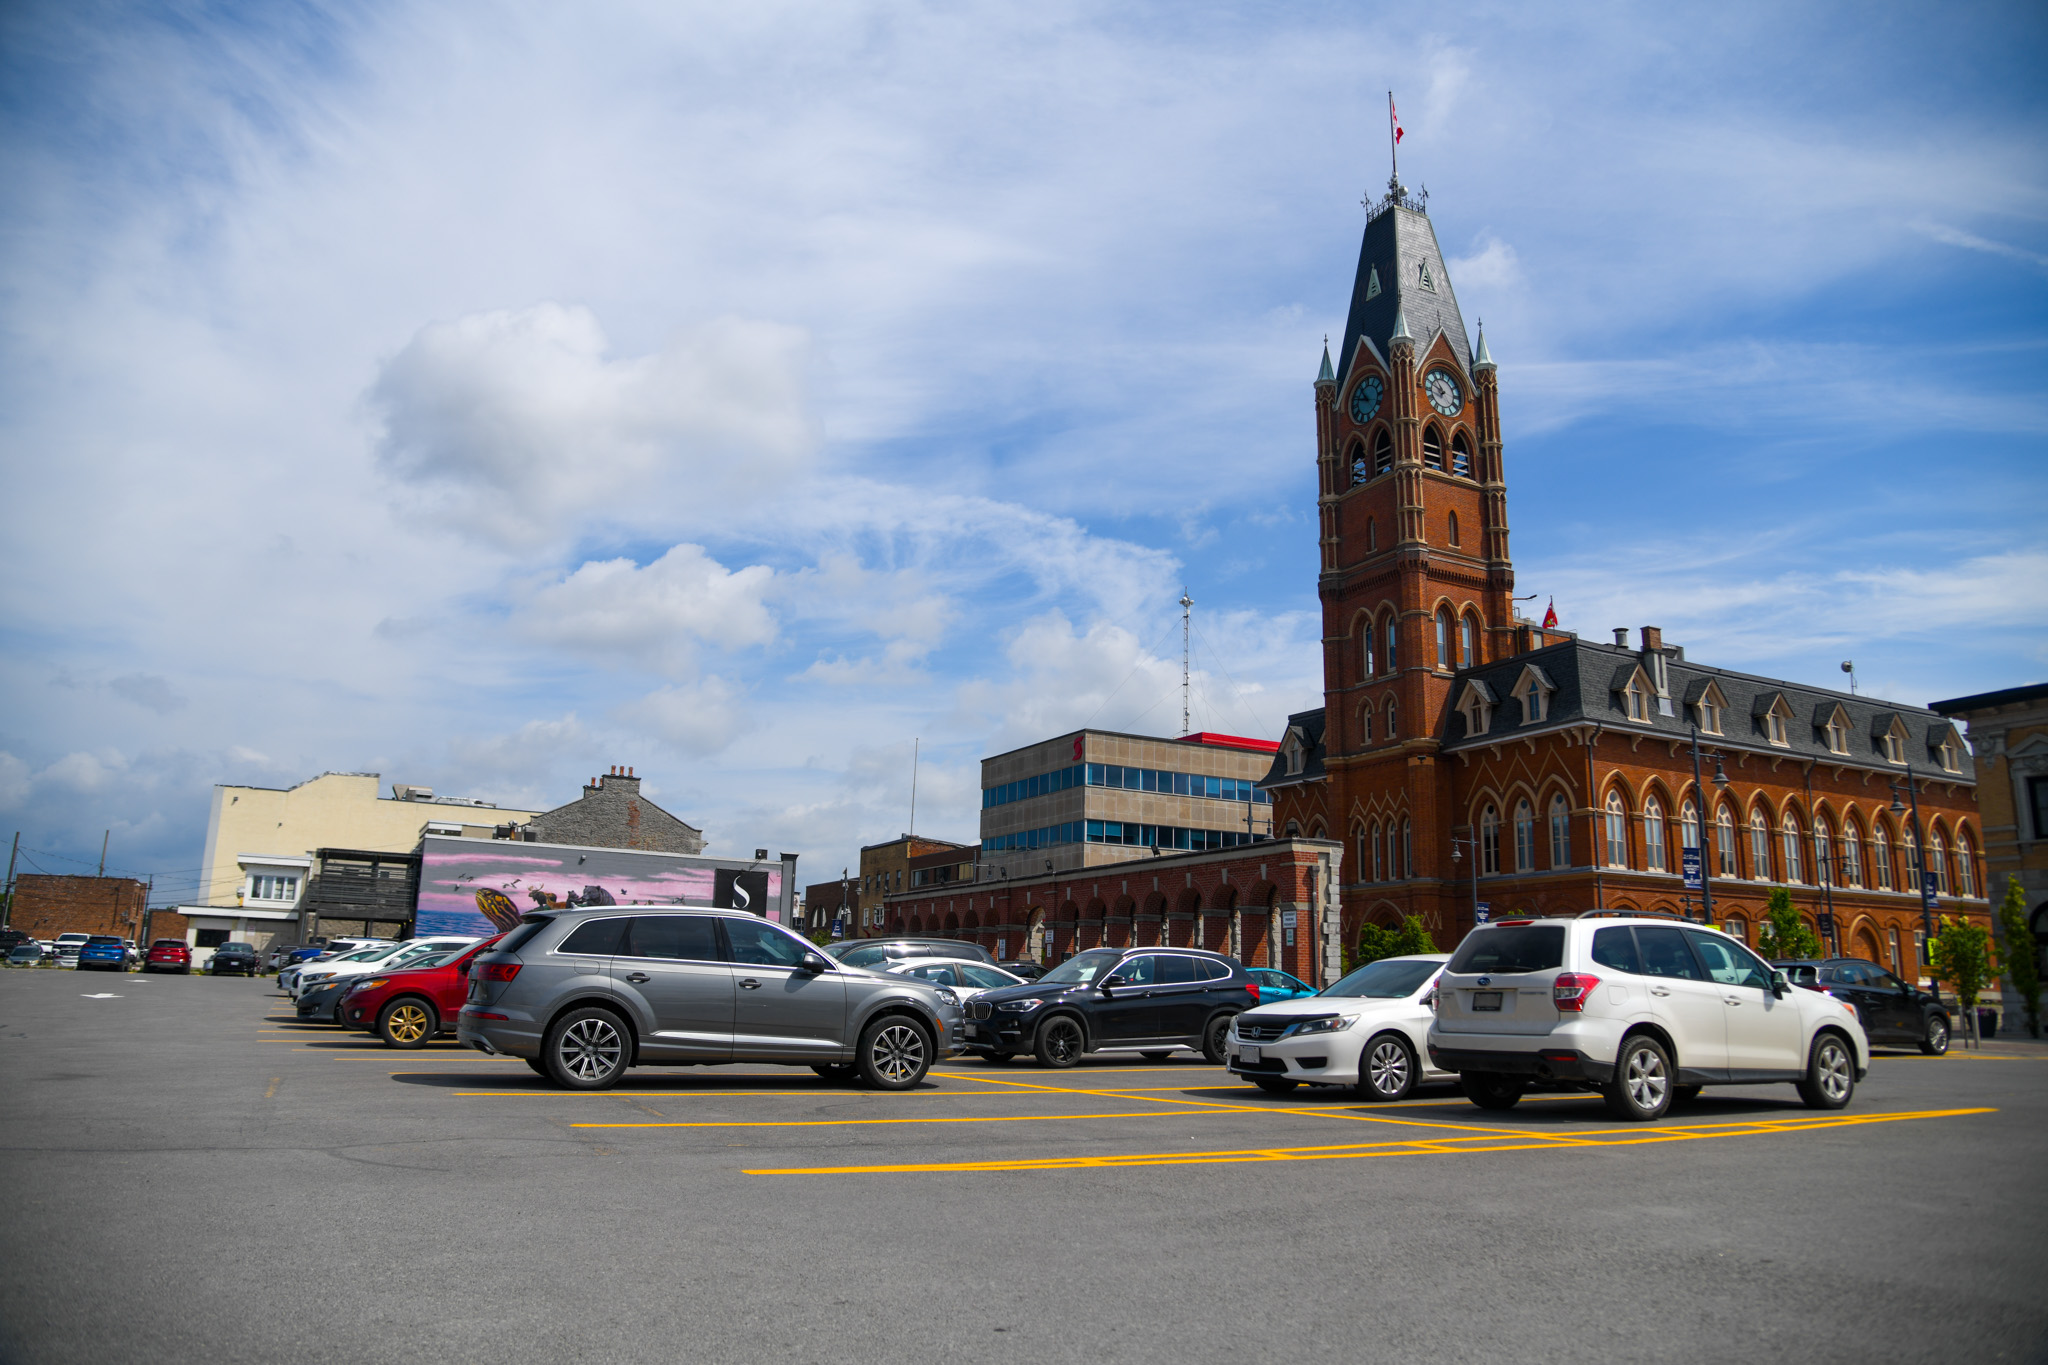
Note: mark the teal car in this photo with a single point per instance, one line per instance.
(1278, 985)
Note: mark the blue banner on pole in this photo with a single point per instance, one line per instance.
(1927, 892)
(1689, 860)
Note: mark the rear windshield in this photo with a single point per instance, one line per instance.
(1391, 979)
(1511, 948)
(104, 941)
(525, 930)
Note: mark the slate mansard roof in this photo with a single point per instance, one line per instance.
(1587, 681)
(1398, 248)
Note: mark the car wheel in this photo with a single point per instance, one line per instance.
(1060, 1042)
(587, 1049)
(1830, 1074)
(835, 1071)
(1489, 1091)
(1685, 1094)
(336, 1017)
(1275, 1085)
(406, 1023)
(1641, 1089)
(894, 1053)
(1215, 1040)
(1157, 1056)
(1934, 1042)
(1386, 1071)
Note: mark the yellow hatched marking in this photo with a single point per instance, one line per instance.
(1497, 1141)
(946, 1118)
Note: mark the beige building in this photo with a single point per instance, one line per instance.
(885, 871)
(2008, 733)
(1095, 797)
(262, 842)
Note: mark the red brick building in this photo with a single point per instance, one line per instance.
(45, 906)
(1464, 756)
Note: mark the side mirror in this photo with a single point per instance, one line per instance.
(1781, 985)
(1113, 980)
(813, 964)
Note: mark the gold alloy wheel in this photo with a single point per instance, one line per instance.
(406, 1024)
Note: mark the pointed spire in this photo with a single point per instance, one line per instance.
(1328, 375)
(1482, 359)
(1401, 332)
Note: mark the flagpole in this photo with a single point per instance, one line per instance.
(1393, 142)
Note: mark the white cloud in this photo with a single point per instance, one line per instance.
(615, 610)
(1953, 236)
(14, 781)
(149, 691)
(700, 719)
(526, 424)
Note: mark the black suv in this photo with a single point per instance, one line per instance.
(233, 957)
(1891, 1011)
(1148, 1000)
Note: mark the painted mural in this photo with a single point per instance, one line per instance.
(468, 886)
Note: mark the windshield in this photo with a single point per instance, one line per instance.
(1388, 979)
(363, 955)
(1511, 948)
(440, 958)
(1079, 971)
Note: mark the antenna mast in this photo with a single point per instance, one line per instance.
(914, 744)
(1185, 603)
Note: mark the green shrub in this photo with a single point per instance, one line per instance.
(1782, 934)
(1961, 955)
(1376, 941)
(2019, 956)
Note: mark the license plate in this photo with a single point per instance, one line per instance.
(970, 1030)
(1486, 1000)
(1248, 1054)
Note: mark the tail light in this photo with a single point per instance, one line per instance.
(499, 971)
(1571, 990)
(1252, 988)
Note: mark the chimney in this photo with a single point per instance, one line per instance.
(1621, 636)
(1653, 640)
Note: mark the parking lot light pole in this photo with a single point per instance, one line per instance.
(1470, 841)
(1919, 861)
(1700, 794)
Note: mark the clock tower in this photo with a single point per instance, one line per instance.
(1414, 578)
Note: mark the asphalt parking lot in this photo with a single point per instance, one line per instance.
(193, 1175)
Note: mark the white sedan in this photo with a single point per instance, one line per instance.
(1369, 1030)
(964, 977)
(388, 958)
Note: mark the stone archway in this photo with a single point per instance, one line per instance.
(1863, 943)
(1034, 936)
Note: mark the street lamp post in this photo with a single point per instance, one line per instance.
(1919, 857)
(1471, 842)
(1700, 792)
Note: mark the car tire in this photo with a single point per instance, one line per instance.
(1275, 1085)
(1215, 1040)
(1157, 1056)
(1934, 1038)
(336, 1017)
(836, 1072)
(407, 1023)
(1386, 1069)
(1830, 1073)
(1489, 1091)
(1642, 1088)
(894, 1053)
(587, 1049)
(1060, 1042)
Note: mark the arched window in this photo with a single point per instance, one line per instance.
(1432, 448)
(1560, 832)
(1759, 847)
(1881, 857)
(1393, 728)
(1898, 968)
(1724, 842)
(1909, 850)
(1525, 838)
(1617, 831)
(1361, 470)
(1453, 522)
(1489, 841)
(1393, 642)
(1689, 829)
(1368, 852)
(1792, 838)
(1365, 651)
(1653, 835)
(1372, 534)
(1852, 856)
(1461, 456)
(1443, 638)
(1382, 453)
(1937, 862)
(1407, 848)
(1737, 928)
(1468, 641)
(1823, 853)
(1966, 866)
(1365, 724)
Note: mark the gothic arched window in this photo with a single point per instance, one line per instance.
(1525, 837)
(1617, 831)
(1360, 469)
(1468, 641)
(1689, 828)
(1393, 658)
(1560, 833)
(1724, 842)
(1365, 851)
(1382, 453)
(1432, 448)
(1365, 651)
(1489, 841)
(1852, 856)
(1881, 857)
(1453, 525)
(1443, 638)
(1653, 835)
(1966, 862)
(1407, 848)
(1393, 728)
(1823, 853)
(1461, 456)
(1793, 837)
(1759, 847)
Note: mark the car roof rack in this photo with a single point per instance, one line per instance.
(1632, 914)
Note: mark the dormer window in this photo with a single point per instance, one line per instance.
(1476, 703)
(1635, 699)
(1950, 754)
(1710, 706)
(1893, 742)
(1533, 691)
(1775, 720)
(1296, 755)
(1837, 732)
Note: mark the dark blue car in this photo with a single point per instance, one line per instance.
(103, 953)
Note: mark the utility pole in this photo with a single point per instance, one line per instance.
(103, 853)
(1186, 602)
(914, 745)
(8, 917)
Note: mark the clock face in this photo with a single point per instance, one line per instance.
(1444, 394)
(1365, 399)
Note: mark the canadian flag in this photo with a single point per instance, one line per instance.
(1395, 115)
(1550, 616)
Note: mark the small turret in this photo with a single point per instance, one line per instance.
(1328, 375)
(1482, 359)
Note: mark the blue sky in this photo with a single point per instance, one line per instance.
(743, 392)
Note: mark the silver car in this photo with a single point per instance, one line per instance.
(581, 995)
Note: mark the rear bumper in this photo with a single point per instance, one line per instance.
(1543, 1064)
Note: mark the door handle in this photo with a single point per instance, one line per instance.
(1660, 990)
(750, 984)
(1731, 999)
(637, 977)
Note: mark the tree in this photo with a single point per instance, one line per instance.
(1961, 955)
(1376, 941)
(1783, 934)
(2019, 957)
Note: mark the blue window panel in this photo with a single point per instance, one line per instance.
(1095, 776)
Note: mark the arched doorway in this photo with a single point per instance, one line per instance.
(1034, 939)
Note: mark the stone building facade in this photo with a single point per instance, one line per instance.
(1467, 758)
(612, 813)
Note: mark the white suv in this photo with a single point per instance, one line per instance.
(1644, 1009)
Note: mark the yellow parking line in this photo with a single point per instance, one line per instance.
(1501, 1140)
(950, 1118)
(823, 1091)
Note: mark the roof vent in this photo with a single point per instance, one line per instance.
(1621, 636)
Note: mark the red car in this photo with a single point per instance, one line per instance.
(407, 1008)
(169, 955)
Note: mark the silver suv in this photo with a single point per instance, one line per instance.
(582, 995)
(1642, 1008)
